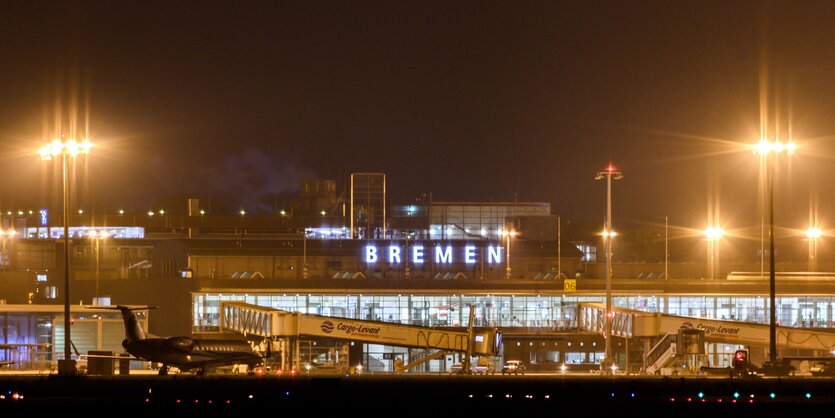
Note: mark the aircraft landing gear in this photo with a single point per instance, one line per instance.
(163, 371)
(201, 372)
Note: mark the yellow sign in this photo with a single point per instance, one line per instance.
(569, 285)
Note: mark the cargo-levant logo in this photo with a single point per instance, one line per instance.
(711, 329)
(327, 327)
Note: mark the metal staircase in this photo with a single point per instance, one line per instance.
(661, 354)
(400, 368)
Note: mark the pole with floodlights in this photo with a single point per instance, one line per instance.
(608, 234)
(765, 148)
(66, 150)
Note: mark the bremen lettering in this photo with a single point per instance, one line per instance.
(419, 253)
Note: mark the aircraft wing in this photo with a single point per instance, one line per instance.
(6, 363)
(226, 359)
(131, 358)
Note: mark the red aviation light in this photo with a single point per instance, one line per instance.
(611, 168)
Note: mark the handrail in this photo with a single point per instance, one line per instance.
(660, 348)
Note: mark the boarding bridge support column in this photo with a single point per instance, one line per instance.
(294, 342)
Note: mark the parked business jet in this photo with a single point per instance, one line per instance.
(182, 352)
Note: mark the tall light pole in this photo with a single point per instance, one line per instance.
(608, 234)
(508, 235)
(766, 148)
(666, 247)
(712, 234)
(813, 233)
(66, 150)
(97, 237)
(304, 254)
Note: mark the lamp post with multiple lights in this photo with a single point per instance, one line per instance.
(765, 149)
(609, 174)
(66, 150)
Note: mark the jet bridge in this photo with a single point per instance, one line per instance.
(629, 323)
(275, 324)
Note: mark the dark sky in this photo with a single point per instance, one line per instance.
(467, 100)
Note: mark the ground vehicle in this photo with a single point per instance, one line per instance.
(825, 367)
(484, 369)
(456, 368)
(513, 367)
(484, 366)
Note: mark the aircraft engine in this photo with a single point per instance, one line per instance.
(184, 344)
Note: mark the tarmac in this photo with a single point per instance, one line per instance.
(419, 395)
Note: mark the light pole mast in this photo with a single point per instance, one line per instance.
(772, 279)
(666, 248)
(64, 150)
(508, 235)
(608, 234)
(771, 149)
(69, 364)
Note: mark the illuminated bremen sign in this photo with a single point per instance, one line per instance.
(442, 254)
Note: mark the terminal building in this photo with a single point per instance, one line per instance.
(426, 263)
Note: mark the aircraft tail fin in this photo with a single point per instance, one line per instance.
(133, 331)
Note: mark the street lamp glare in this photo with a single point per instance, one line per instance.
(765, 147)
(813, 233)
(71, 148)
(714, 233)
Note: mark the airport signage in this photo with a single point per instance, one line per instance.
(380, 332)
(419, 253)
(730, 331)
(569, 285)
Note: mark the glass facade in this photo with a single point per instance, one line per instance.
(551, 313)
(463, 221)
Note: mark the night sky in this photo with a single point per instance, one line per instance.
(466, 100)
